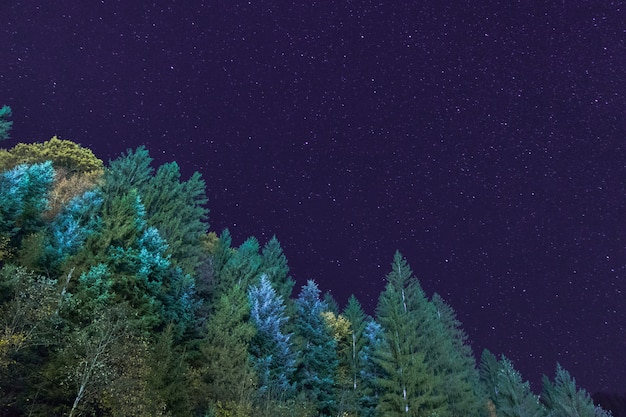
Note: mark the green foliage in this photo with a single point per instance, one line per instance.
(317, 358)
(563, 399)
(409, 386)
(5, 123)
(455, 362)
(275, 266)
(514, 398)
(227, 372)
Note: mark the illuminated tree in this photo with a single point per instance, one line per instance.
(5, 123)
(315, 344)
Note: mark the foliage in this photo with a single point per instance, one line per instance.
(317, 358)
(272, 355)
(62, 153)
(562, 399)
(5, 123)
(167, 319)
(409, 387)
(24, 190)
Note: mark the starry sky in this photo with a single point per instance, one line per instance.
(484, 140)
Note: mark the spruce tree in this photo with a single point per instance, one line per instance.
(317, 360)
(272, 354)
(456, 363)
(409, 387)
(562, 399)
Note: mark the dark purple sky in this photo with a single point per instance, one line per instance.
(484, 141)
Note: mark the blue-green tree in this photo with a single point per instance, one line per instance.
(24, 190)
(514, 397)
(562, 399)
(274, 264)
(69, 230)
(272, 353)
(317, 360)
(5, 123)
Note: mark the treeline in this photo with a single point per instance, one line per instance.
(116, 300)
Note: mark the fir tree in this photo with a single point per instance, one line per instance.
(409, 387)
(274, 264)
(514, 398)
(316, 361)
(5, 123)
(273, 357)
(563, 399)
(464, 394)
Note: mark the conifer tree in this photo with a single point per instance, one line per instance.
(317, 360)
(228, 374)
(275, 266)
(350, 364)
(563, 399)
(514, 398)
(272, 354)
(456, 363)
(5, 123)
(409, 387)
(371, 371)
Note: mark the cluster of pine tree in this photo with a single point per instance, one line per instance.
(116, 300)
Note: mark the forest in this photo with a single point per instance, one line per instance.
(117, 299)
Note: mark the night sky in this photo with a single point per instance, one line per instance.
(485, 141)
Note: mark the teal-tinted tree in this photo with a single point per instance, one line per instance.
(275, 265)
(562, 399)
(5, 123)
(178, 210)
(24, 190)
(316, 363)
(488, 370)
(371, 372)
(272, 354)
(514, 398)
(409, 387)
(69, 230)
(242, 268)
(456, 363)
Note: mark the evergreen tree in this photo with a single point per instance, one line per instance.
(275, 266)
(317, 360)
(371, 371)
(456, 363)
(5, 123)
(563, 399)
(228, 374)
(409, 387)
(177, 209)
(514, 398)
(489, 369)
(350, 360)
(272, 355)
(24, 190)
(73, 225)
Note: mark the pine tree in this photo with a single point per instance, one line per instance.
(409, 387)
(273, 357)
(317, 360)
